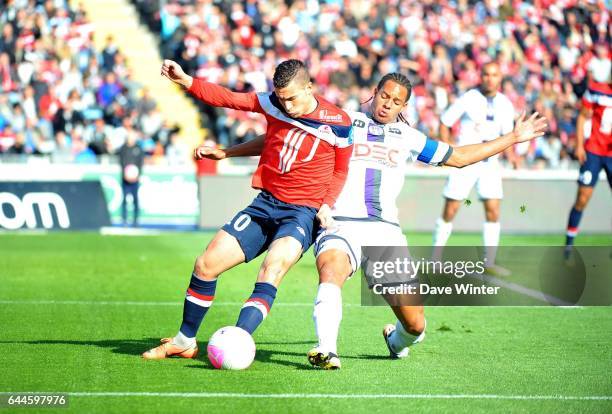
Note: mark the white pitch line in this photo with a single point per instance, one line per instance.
(179, 303)
(333, 396)
(138, 303)
(526, 291)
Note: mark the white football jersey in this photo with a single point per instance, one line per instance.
(482, 118)
(378, 167)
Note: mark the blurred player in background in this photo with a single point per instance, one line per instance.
(365, 213)
(131, 159)
(485, 113)
(303, 167)
(596, 153)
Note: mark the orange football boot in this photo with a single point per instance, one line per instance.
(168, 349)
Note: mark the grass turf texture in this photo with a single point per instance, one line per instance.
(84, 347)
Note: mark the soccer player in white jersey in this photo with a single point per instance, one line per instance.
(366, 213)
(484, 114)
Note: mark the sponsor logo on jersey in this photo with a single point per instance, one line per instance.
(376, 152)
(326, 129)
(395, 131)
(324, 116)
(376, 130)
(358, 123)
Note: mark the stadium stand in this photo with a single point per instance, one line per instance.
(545, 48)
(63, 98)
(56, 87)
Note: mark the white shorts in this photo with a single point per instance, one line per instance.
(351, 236)
(486, 176)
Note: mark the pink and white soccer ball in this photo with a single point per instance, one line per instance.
(231, 348)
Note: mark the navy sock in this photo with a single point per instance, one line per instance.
(198, 299)
(572, 226)
(257, 307)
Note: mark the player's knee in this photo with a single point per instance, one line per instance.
(415, 324)
(493, 216)
(204, 267)
(272, 271)
(334, 268)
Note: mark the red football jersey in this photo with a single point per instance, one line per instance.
(598, 98)
(304, 160)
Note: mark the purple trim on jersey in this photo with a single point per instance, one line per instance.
(372, 192)
(490, 109)
(369, 182)
(373, 177)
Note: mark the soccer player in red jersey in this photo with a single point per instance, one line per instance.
(302, 169)
(594, 154)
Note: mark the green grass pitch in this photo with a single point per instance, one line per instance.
(77, 309)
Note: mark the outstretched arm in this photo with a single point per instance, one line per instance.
(524, 130)
(209, 93)
(246, 149)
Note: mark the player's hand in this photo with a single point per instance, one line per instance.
(173, 71)
(325, 217)
(526, 129)
(580, 154)
(211, 153)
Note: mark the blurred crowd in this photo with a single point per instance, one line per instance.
(62, 98)
(548, 50)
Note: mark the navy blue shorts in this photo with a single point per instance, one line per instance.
(268, 219)
(589, 171)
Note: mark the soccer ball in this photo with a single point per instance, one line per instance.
(231, 348)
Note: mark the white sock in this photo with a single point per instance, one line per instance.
(441, 234)
(490, 238)
(327, 316)
(184, 342)
(401, 338)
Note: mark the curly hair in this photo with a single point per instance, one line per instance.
(289, 70)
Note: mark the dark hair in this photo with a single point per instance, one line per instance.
(288, 70)
(397, 78)
(400, 80)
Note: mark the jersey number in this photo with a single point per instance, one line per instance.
(242, 222)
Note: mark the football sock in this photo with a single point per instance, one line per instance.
(182, 341)
(572, 226)
(257, 307)
(401, 338)
(490, 237)
(441, 234)
(327, 316)
(198, 299)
